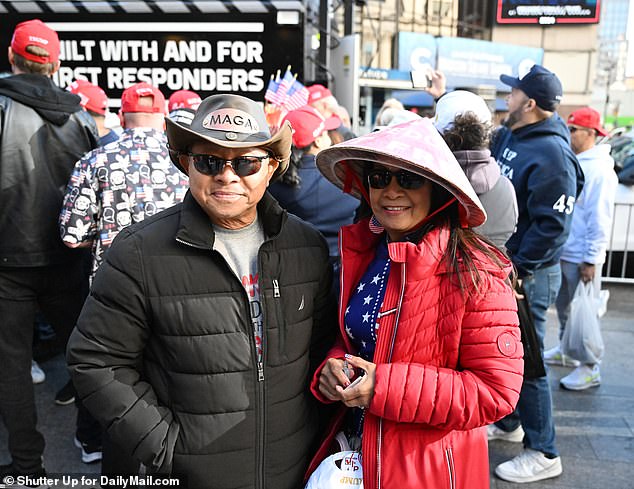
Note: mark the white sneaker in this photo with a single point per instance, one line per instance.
(89, 454)
(37, 374)
(529, 466)
(581, 378)
(554, 356)
(495, 433)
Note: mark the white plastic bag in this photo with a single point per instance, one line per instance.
(339, 471)
(604, 296)
(582, 338)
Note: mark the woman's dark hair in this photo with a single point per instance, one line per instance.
(467, 132)
(291, 176)
(462, 242)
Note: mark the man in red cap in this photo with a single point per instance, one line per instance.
(183, 99)
(182, 106)
(303, 190)
(124, 182)
(322, 100)
(94, 101)
(112, 187)
(585, 249)
(43, 131)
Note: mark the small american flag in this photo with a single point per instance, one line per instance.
(140, 193)
(285, 85)
(107, 237)
(296, 97)
(271, 94)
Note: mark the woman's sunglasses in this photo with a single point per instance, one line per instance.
(211, 165)
(380, 179)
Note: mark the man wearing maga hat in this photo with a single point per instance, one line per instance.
(533, 151)
(94, 101)
(303, 190)
(43, 131)
(204, 321)
(585, 249)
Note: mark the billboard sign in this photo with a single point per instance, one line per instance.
(230, 52)
(466, 62)
(548, 12)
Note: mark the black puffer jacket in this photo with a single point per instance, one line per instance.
(43, 132)
(164, 356)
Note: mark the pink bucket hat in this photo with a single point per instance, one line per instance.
(414, 146)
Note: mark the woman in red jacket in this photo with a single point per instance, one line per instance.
(427, 316)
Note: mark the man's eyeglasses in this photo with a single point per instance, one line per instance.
(211, 165)
(380, 179)
(574, 129)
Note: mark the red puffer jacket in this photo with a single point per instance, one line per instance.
(448, 364)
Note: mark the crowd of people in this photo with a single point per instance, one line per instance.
(237, 304)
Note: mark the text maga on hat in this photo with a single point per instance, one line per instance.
(231, 120)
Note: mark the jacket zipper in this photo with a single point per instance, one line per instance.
(259, 385)
(389, 359)
(281, 324)
(451, 468)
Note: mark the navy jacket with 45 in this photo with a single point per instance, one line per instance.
(547, 178)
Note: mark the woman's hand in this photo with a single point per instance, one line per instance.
(333, 376)
(361, 394)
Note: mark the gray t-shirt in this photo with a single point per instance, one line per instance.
(240, 248)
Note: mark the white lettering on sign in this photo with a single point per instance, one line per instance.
(65, 75)
(76, 50)
(192, 51)
(196, 79)
(239, 51)
(177, 63)
(129, 50)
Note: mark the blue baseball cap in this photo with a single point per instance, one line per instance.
(540, 84)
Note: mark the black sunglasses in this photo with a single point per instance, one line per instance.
(211, 165)
(380, 179)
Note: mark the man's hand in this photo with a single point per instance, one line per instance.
(586, 272)
(438, 84)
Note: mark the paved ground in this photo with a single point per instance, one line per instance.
(595, 428)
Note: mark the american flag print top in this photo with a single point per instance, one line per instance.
(362, 312)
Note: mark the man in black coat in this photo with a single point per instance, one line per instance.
(205, 321)
(43, 132)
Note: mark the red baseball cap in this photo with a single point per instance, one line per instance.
(183, 99)
(92, 97)
(35, 33)
(308, 125)
(587, 117)
(317, 92)
(131, 96)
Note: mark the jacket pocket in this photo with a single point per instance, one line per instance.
(293, 307)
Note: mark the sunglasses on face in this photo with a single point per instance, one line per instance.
(380, 179)
(210, 165)
(573, 129)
